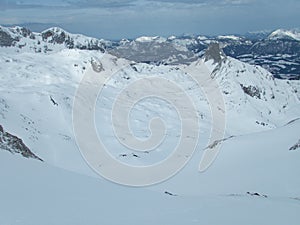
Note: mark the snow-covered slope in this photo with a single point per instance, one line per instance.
(254, 181)
(254, 99)
(150, 39)
(38, 97)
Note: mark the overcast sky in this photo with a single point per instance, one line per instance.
(117, 19)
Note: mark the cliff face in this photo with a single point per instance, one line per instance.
(15, 145)
(215, 53)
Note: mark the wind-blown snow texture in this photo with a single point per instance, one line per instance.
(254, 180)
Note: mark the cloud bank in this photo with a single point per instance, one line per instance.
(131, 18)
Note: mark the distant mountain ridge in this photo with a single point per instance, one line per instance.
(277, 51)
(23, 38)
(285, 34)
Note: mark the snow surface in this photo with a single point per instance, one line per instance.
(232, 37)
(149, 39)
(281, 33)
(35, 193)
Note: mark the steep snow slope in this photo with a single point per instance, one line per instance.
(37, 93)
(254, 99)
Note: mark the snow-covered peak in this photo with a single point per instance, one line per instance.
(16, 31)
(230, 37)
(54, 38)
(202, 38)
(10, 35)
(55, 30)
(60, 36)
(171, 38)
(282, 34)
(150, 39)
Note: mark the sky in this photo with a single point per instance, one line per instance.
(116, 19)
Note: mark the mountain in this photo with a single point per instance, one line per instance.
(277, 51)
(255, 174)
(23, 38)
(285, 34)
(155, 50)
(252, 94)
(257, 35)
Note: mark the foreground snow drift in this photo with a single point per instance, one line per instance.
(255, 180)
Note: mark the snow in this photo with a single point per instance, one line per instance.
(35, 193)
(202, 38)
(281, 33)
(149, 39)
(171, 38)
(255, 156)
(33, 81)
(232, 37)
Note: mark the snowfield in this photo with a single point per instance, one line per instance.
(253, 180)
(37, 193)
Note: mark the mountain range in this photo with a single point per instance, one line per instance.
(276, 51)
(253, 180)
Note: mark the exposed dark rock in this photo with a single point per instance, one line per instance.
(256, 194)
(54, 37)
(46, 35)
(15, 145)
(69, 43)
(295, 146)
(217, 142)
(215, 53)
(97, 65)
(5, 39)
(135, 155)
(169, 193)
(26, 32)
(251, 91)
(53, 101)
(59, 36)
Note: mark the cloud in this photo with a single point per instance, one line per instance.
(181, 1)
(102, 3)
(131, 18)
(9, 4)
(66, 3)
